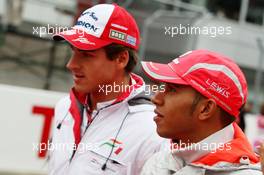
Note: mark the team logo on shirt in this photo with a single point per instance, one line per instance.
(115, 144)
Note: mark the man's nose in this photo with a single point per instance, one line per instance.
(157, 99)
(73, 63)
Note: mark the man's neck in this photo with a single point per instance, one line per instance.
(109, 93)
(202, 132)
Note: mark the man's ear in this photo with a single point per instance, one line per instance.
(207, 109)
(122, 59)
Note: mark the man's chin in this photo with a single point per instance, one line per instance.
(160, 133)
(163, 134)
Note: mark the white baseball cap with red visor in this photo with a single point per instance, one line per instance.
(213, 75)
(100, 26)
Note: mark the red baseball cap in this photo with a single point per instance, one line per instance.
(213, 75)
(102, 25)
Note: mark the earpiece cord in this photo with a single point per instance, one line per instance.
(105, 164)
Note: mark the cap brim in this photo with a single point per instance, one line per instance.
(162, 73)
(81, 40)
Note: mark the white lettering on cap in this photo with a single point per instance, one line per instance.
(94, 19)
(220, 89)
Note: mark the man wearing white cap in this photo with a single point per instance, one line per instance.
(105, 124)
(204, 94)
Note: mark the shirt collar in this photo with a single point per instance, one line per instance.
(104, 104)
(194, 151)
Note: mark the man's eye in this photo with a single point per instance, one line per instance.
(170, 89)
(85, 54)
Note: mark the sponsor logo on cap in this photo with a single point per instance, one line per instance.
(131, 40)
(220, 89)
(91, 14)
(87, 25)
(117, 35)
(84, 40)
(119, 26)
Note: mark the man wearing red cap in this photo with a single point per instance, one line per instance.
(204, 94)
(105, 125)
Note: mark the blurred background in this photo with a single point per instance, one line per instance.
(32, 67)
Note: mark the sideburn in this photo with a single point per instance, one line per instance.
(195, 102)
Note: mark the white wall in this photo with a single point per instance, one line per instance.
(20, 128)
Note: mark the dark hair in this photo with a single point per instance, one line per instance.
(113, 50)
(226, 118)
(196, 100)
